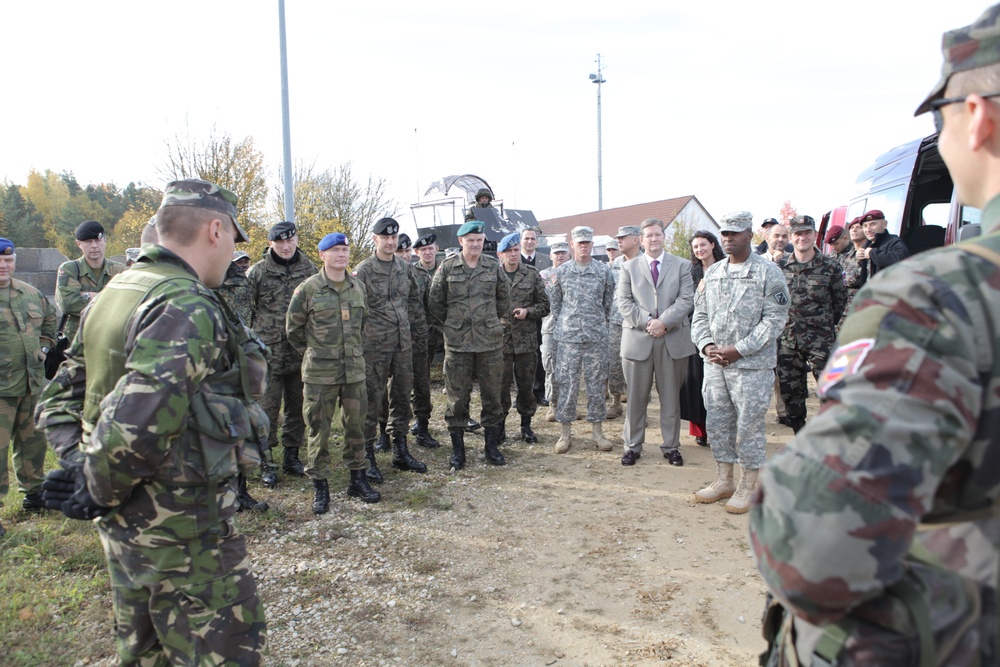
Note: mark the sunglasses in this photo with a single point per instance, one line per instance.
(937, 104)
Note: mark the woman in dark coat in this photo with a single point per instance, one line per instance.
(705, 251)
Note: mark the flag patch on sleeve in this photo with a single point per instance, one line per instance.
(845, 360)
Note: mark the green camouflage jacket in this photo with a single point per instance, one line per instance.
(470, 304)
(393, 299)
(235, 291)
(326, 326)
(526, 291)
(162, 446)
(73, 279)
(271, 287)
(817, 300)
(27, 323)
(904, 449)
(419, 323)
(424, 278)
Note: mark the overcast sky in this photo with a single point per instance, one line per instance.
(744, 105)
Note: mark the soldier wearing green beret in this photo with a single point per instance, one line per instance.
(153, 414)
(877, 528)
(27, 332)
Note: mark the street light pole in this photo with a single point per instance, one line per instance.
(286, 133)
(599, 79)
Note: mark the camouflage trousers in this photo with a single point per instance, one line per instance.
(736, 401)
(549, 348)
(319, 409)
(187, 603)
(459, 370)
(592, 360)
(616, 375)
(792, 371)
(17, 428)
(284, 388)
(380, 367)
(421, 382)
(519, 370)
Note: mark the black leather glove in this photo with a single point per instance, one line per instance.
(58, 487)
(66, 490)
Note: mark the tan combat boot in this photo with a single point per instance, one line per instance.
(602, 443)
(740, 502)
(615, 410)
(722, 487)
(566, 439)
(550, 416)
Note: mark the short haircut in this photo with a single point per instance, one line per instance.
(149, 233)
(981, 80)
(651, 222)
(181, 224)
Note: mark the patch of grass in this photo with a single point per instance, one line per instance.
(427, 496)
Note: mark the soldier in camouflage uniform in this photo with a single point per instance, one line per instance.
(79, 281)
(877, 527)
(150, 415)
(272, 281)
(559, 254)
(627, 242)
(393, 298)
(326, 323)
(423, 349)
(582, 300)
(484, 199)
(27, 331)
(740, 309)
(529, 304)
(818, 297)
(470, 299)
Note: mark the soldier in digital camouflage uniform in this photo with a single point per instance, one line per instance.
(27, 331)
(529, 303)
(151, 414)
(326, 323)
(740, 309)
(422, 355)
(817, 299)
(469, 299)
(272, 281)
(393, 298)
(881, 516)
(628, 236)
(79, 281)
(559, 254)
(582, 300)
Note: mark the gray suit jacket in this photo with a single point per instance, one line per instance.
(638, 300)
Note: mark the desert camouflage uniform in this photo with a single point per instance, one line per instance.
(746, 307)
(582, 300)
(326, 324)
(271, 286)
(549, 344)
(469, 304)
(520, 338)
(27, 323)
(162, 448)
(393, 298)
(235, 291)
(817, 299)
(616, 374)
(73, 279)
(903, 452)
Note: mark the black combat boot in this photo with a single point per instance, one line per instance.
(268, 477)
(382, 445)
(292, 465)
(492, 438)
(321, 496)
(424, 437)
(414, 426)
(360, 488)
(246, 501)
(401, 459)
(472, 426)
(503, 429)
(33, 502)
(373, 473)
(526, 433)
(457, 448)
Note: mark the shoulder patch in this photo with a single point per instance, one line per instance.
(845, 361)
(780, 297)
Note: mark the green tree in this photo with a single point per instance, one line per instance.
(19, 220)
(679, 242)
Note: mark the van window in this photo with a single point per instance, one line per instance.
(935, 214)
(857, 209)
(890, 202)
(970, 216)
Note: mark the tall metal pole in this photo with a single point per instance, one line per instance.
(599, 79)
(285, 125)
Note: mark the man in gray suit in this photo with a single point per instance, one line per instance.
(655, 295)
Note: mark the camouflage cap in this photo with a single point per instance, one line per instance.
(483, 192)
(240, 254)
(471, 227)
(89, 230)
(424, 241)
(6, 247)
(559, 246)
(802, 223)
(202, 194)
(404, 242)
(583, 234)
(628, 230)
(508, 242)
(738, 221)
(611, 245)
(975, 45)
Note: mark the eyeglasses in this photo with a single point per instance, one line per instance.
(937, 104)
